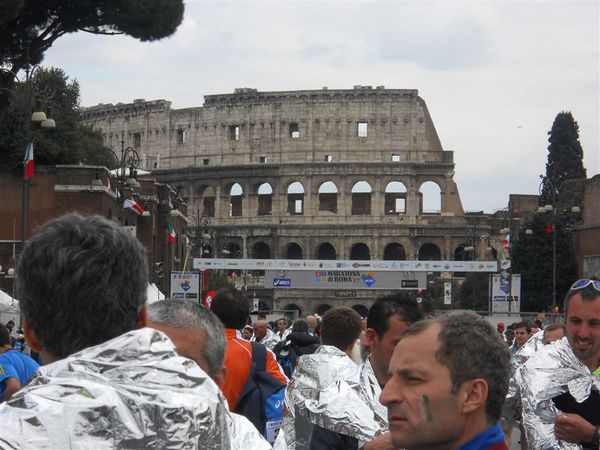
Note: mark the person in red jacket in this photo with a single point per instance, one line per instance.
(231, 306)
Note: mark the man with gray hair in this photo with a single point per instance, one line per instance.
(108, 381)
(199, 335)
(449, 380)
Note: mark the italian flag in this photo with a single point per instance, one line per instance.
(28, 161)
(171, 235)
(129, 203)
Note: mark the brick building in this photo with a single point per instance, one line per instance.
(54, 191)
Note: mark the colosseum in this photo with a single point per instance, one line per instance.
(316, 174)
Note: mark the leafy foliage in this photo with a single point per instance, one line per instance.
(532, 258)
(29, 27)
(565, 155)
(69, 143)
(474, 292)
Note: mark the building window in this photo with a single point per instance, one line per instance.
(263, 159)
(234, 133)
(395, 157)
(205, 161)
(137, 140)
(362, 128)
(181, 135)
(294, 131)
(328, 158)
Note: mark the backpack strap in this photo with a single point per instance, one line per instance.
(259, 356)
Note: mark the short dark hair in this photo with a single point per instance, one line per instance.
(526, 325)
(341, 327)
(300, 325)
(231, 307)
(472, 348)
(4, 336)
(389, 305)
(588, 294)
(189, 315)
(555, 326)
(87, 271)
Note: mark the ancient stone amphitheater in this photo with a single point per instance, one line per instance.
(317, 174)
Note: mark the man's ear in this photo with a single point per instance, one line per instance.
(143, 317)
(371, 336)
(219, 378)
(473, 394)
(30, 337)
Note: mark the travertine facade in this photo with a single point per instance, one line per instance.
(315, 174)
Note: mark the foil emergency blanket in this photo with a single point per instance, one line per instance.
(270, 340)
(370, 391)
(325, 392)
(552, 371)
(244, 435)
(133, 391)
(513, 396)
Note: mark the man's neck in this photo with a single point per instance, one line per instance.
(381, 375)
(5, 348)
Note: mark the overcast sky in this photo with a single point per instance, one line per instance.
(493, 74)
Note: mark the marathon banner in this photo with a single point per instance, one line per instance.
(506, 292)
(344, 279)
(313, 264)
(185, 285)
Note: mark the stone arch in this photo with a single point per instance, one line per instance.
(326, 251)
(362, 310)
(323, 308)
(430, 197)
(261, 250)
(360, 252)
(295, 198)
(292, 307)
(361, 198)
(394, 252)
(395, 198)
(462, 253)
(429, 252)
(232, 250)
(328, 193)
(236, 193)
(265, 199)
(293, 250)
(208, 195)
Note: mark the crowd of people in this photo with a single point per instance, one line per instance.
(117, 373)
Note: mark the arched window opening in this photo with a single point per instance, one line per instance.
(361, 198)
(328, 197)
(360, 252)
(208, 195)
(362, 310)
(295, 195)
(265, 199)
(294, 251)
(430, 198)
(235, 200)
(323, 308)
(326, 251)
(394, 252)
(429, 252)
(395, 198)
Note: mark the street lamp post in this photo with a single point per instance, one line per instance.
(31, 116)
(548, 186)
(127, 165)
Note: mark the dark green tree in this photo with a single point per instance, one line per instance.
(69, 143)
(565, 156)
(532, 258)
(474, 292)
(29, 27)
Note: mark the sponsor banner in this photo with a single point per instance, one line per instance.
(185, 285)
(345, 279)
(506, 292)
(313, 264)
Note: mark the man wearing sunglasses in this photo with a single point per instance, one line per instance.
(560, 384)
